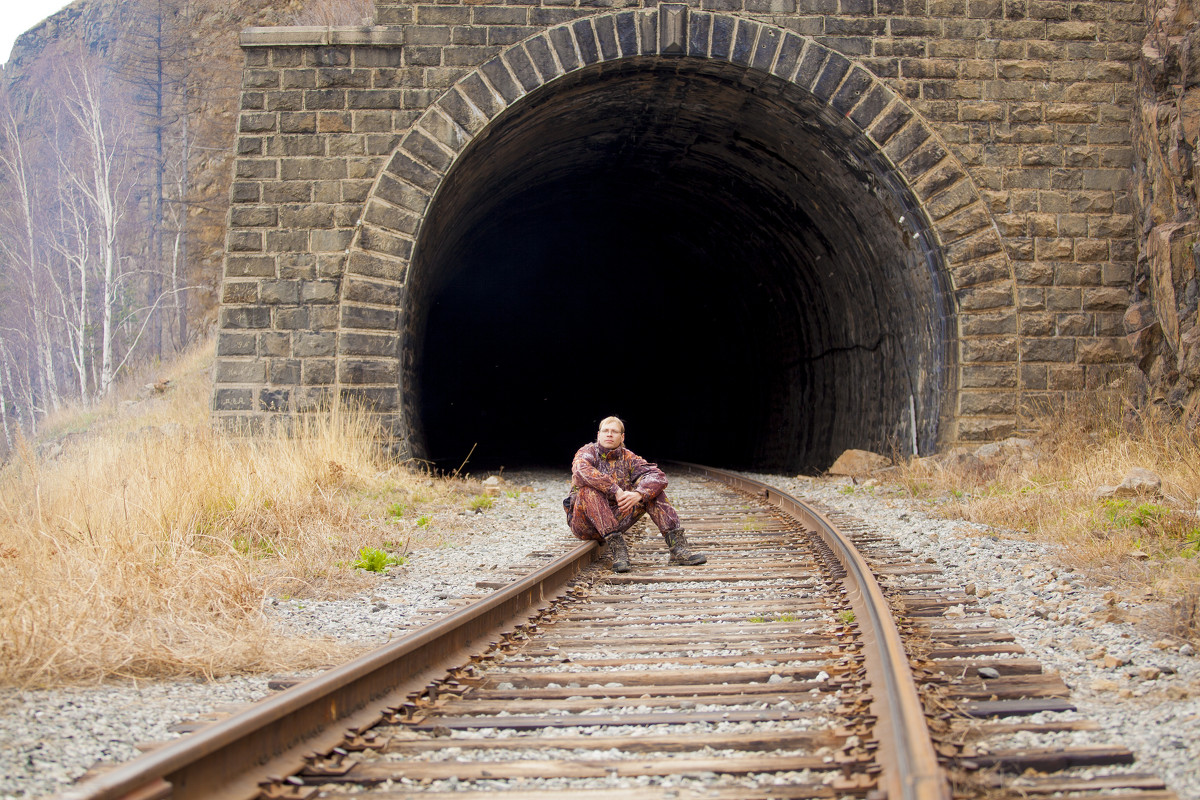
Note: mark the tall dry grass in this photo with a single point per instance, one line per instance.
(1148, 543)
(141, 542)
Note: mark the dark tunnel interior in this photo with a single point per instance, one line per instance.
(706, 252)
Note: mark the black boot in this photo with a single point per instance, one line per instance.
(619, 552)
(680, 553)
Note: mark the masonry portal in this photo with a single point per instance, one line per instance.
(703, 250)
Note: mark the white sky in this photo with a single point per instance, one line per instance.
(18, 16)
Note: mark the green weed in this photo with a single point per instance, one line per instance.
(396, 511)
(845, 617)
(786, 617)
(1124, 514)
(513, 494)
(1191, 544)
(424, 521)
(480, 503)
(372, 559)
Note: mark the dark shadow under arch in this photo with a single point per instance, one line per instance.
(705, 249)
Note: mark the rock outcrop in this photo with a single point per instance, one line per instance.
(1161, 323)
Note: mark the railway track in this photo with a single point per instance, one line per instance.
(775, 671)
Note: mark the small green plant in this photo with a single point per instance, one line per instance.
(845, 617)
(424, 520)
(396, 510)
(957, 494)
(513, 494)
(372, 559)
(759, 618)
(1124, 514)
(848, 489)
(786, 618)
(480, 503)
(1191, 544)
(1147, 513)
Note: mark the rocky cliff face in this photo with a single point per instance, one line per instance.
(203, 34)
(1162, 321)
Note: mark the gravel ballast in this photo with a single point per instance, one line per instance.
(1146, 695)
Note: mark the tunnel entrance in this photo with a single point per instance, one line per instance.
(705, 250)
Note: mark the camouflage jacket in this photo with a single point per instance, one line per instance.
(610, 470)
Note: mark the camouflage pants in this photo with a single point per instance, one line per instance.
(594, 516)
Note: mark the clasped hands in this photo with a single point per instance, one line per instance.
(627, 500)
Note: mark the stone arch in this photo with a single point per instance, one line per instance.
(945, 213)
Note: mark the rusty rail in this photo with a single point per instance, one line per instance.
(906, 752)
(272, 737)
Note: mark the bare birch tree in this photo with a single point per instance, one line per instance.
(73, 245)
(99, 171)
(25, 258)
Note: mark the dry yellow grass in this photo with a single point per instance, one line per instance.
(1149, 543)
(141, 542)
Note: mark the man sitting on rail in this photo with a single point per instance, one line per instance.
(611, 488)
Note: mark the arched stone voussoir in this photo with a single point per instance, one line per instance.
(383, 241)
(991, 270)
(444, 130)
(406, 168)
(426, 149)
(973, 247)
(945, 189)
(369, 264)
(906, 141)
(924, 158)
(372, 291)
(964, 222)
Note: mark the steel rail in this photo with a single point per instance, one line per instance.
(906, 753)
(228, 760)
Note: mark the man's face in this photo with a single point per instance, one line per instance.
(610, 436)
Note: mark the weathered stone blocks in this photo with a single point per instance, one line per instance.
(1008, 120)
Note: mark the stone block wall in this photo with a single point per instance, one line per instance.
(1030, 99)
